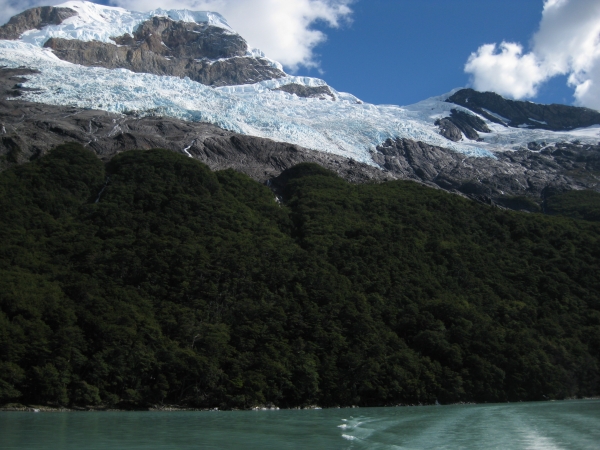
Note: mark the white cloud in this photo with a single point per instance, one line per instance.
(280, 28)
(505, 70)
(567, 43)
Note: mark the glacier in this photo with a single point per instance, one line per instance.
(345, 126)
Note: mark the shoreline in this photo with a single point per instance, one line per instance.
(16, 407)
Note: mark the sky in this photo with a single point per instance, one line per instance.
(404, 51)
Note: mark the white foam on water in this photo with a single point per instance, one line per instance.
(535, 441)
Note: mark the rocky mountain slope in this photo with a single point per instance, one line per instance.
(34, 19)
(204, 53)
(207, 52)
(115, 80)
(519, 114)
(29, 130)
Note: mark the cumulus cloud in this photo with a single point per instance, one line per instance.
(505, 70)
(280, 28)
(567, 43)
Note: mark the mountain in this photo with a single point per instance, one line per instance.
(113, 80)
(338, 263)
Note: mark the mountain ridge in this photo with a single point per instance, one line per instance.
(213, 110)
(518, 114)
(34, 18)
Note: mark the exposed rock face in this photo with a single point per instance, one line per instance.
(514, 113)
(35, 18)
(207, 54)
(448, 129)
(322, 92)
(513, 173)
(28, 130)
(460, 121)
(469, 124)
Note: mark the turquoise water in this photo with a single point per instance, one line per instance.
(550, 425)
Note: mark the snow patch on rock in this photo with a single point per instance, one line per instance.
(95, 22)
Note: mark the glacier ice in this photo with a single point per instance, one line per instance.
(345, 126)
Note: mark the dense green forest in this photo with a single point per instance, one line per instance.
(153, 280)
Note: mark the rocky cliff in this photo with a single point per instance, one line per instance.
(204, 53)
(207, 54)
(460, 122)
(498, 180)
(322, 92)
(35, 18)
(513, 113)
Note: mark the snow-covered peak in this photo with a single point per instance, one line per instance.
(185, 15)
(95, 22)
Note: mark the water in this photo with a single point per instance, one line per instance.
(551, 425)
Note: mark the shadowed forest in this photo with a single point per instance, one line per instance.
(152, 280)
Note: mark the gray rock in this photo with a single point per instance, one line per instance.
(448, 129)
(463, 119)
(460, 121)
(322, 92)
(207, 54)
(35, 18)
(469, 124)
(531, 115)
(512, 173)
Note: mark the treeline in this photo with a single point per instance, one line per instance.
(154, 280)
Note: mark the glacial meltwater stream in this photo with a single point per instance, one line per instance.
(548, 425)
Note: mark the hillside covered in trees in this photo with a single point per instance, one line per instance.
(153, 280)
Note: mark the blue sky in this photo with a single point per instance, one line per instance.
(403, 51)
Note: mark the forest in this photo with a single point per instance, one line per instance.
(151, 280)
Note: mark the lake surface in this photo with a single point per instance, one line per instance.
(549, 425)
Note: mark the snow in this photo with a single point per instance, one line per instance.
(497, 116)
(256, 53)
(538, 121)
(588, 135)
(99, 23)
